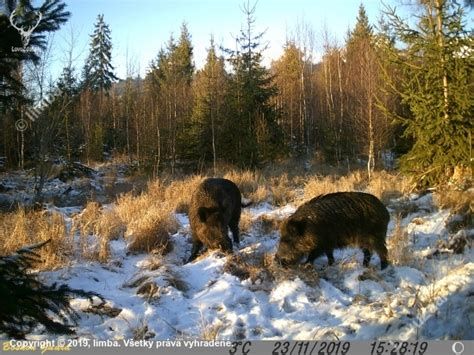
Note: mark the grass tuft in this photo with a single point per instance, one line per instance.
(24, 227)
(398, 245)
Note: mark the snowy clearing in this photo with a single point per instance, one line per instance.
(153, 297)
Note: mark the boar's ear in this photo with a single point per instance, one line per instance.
(204, 213)
(296, 227)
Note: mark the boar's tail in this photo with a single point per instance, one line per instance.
(246, 202)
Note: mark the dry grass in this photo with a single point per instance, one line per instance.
(174, 279)
(22, 228)
(150, 290)
(266, 224)
(388, 186)
(86, 221)
(141, 331)
(323, 185)
(96, 228)
(179, 192)
(110, 226)
(149, 222)
(398, 245)
(251, 184)
(211, 331)
(282, 189)
(262, 225)
(461, 178)
(382, 184)
(246, 266)
(247, 181)
(148, 219)
(261, 194)
(263, 272)
(246, 221)
(461, 202)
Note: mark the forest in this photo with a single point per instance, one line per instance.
(392, 90)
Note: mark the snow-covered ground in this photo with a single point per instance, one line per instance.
(429, 295)
(150, 297)
(105, 183)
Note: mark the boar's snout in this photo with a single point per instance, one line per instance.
(281, 261)
(285, 260)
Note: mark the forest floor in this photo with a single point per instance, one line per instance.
(426, 293)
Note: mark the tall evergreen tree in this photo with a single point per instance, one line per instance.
(436, 63)
(12, 89)
(183, 71)
(98, 73)
(252, 128)
(171, 76)
(63, 106)
(97, 78)
(182, 57)
(67, 82)
(210, 90)
(53, 15)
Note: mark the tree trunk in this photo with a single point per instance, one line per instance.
(371, 159)
(440, 34)
(341, 100)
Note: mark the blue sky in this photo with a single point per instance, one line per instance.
(142, 27)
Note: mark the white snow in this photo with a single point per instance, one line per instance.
(429, 298)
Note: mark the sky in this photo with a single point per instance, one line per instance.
(140, 28)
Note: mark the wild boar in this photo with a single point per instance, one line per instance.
(215, 207)
(333, 221)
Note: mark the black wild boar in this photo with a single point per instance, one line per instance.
(215, 207)
(332, 221)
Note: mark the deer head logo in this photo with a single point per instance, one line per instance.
(25, 33)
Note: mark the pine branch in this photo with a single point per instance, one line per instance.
(27, 302)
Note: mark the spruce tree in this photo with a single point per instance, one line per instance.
(67, 83)
(63, 108)
(28, 303)
(436, 64)
(53, 16)
(183, 71)
(171, 76)
(182, 57)
(254, 135)
(210, 90)
(98, 73)
(13, 95)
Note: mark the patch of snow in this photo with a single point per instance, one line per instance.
(430, 298)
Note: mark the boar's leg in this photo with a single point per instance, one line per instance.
(235, 234)
(197, 244)
(382, 252)
(330, 257)
(234, 226)
(367, 256)
(314, 254)
(226, 244)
